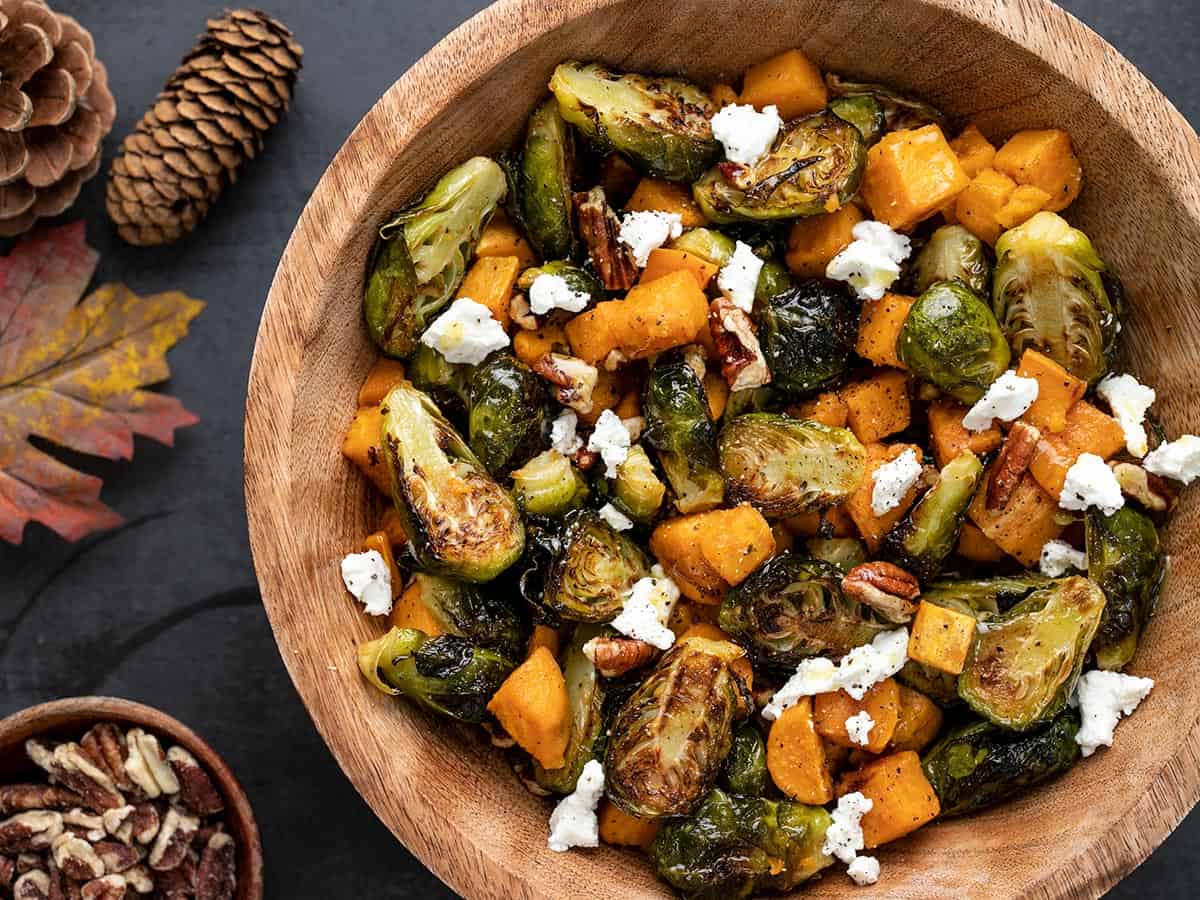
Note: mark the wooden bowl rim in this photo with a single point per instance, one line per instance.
(493, 35)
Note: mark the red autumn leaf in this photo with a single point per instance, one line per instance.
(71, 373)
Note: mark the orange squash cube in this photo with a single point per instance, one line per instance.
(619, 829)
(391, 524)
(870, 526)
(530, 346)
(543, 636)
(827, 408)
(911, 175)
(814, 241)
(950, 437)
(918, 723)
(879, 327)
(664, 261)
(788, 81)
(610, 387)
(1023, 525)
(941, 638)
(878, 406)
(881, 703)
(533, 707)
(723, 94)
(490, 281)
(1022, 204)
(1058, 391)
(363, 446)
(976, 546)
(835, 521)
(975, 152)
(980, 201)
(657, 195)
(1043, 159)
(1088, 430)
(382, 544)
(384, 375)
(796, 756)
(901, 796)
(501, 238)
(717, 390)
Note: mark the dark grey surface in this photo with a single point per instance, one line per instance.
(165, 610)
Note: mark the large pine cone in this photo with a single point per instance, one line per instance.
(55, 109)
(209, 120)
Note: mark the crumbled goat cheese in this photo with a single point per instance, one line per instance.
(844, 837)
(647, 608)
(1008, 398)
(645, 232)
(858, 728)
(1103, 697)
(1179, 459)
(864, 870)
(562, 433)
(872, 261)
(368, 578)
(1128, 401)
(610, 438)
(1058, 557)
(465, 333)
(553, 292)
(738, 278)
(746, 133)
(858, 671)
(614, 517)
(1090, 482)
(893, 481)
(573, 822)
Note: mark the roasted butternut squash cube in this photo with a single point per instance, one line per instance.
(910, 175)
(392, 525)
(630, 405)
(664, 261)
(675, 543)
(529, 346)
(941, 638)
(411, 611)
(788, 81)
(950, 437)
(501, 238)
(1058, 391)
(870, 526)
(735, 541)
(619, 829)
(1043, 159)
(796, 756)
(533, 707)
(975, 152)
(657, 195)
(878, 406)
(901, 796)
(881, 703)
(717, 390)
(723, 94)
(827, 408)
(654, 316)
(814, 241)
(544, 636)
(879, 327)
(1023, 525)
(593, 334)
(918, 723)
(976, 546)
(835, 522)
(980, 201)
(490, 281)
(384, 375)
(1087, 430)
(610, 386)
(382, 544)
(364, 447)
(1021, 206)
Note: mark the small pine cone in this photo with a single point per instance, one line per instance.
(209, 120)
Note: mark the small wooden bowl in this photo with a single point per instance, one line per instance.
(68, 719)
(1018, 64)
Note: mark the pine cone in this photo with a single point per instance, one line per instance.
(208, 121)
(55, 109)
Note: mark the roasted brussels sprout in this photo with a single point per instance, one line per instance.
(585, 691)
(952, 340)
(791, 608)
(733, 847)
(984, 598)
(680, 428)
(1049, 294)
(747, 401)
(577, 278)
(482, 616)
(926, 537)
(953, 253)
(807, 333)
(423, 252)
(862, 111)
(636, 489)
(707, 243)
(508, 420)
(899, 112)
(815, 165)
(1021, 671)
(661, 124)
(980, 764)
(745, 769)
(459, 521)
(1125, 559)
(774, 278)
(939, 686)
(447, 383)
(668, 741)
(787, 466)
(447, 674)
(544, 183)
(842, 553)
(593, 570)
(548, 485)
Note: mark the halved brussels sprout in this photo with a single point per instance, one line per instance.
(738, 846)
(862, 111)
(984, 598)
(787, 466)
(745, 769)
(680, 428)
(548, 485)
(577, 278)
(842, 553)
(952, 340)
(1125, 559)
(791, 608)
(449, 384)
(814, 166)
(593, 570)
(1021, 671)
(707, 243)
(458, 520)
(774, 278)
(661, 124)
(1049, 294)
(508, 417)
(899, 112)
(939, 686)
(668, 741)
(807, 333)
(953, 253)
(750, 400)
(447, 674)
(926, 537)
(636, 488)
(980, 764)
(544, 183)
(423, 252)
(585, 691)
(482, 616)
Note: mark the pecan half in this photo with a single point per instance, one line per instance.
(139, 880)
(33, 885)
(216, 877)
(8, 870)
(70, 766)
(520, 313)
(1012, 463)
(1154, 493)
(600, 229)
(178, 883)
(196, 790)
(742, 362)
(146, 823)
(573, 379)
(76, 858)
(83, 824)
(147, 765)
(27, 862)
(887, 589)
(117, 857)
(173, 841)
(110, 887)
(15, 798)
(119, 823)
(105, 746)
(614, 656)
(30, 831)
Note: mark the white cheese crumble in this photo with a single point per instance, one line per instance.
(1179, 459)
(553, 292)
(746, 133)
(610, 438)
(844, 837)
(1059, 557)
(562, 433)
(465, 333)
(367, 577)
(647, 609)
(1090, 482)
(738, 278)
(864, 870)
(860, 669)
(645, 231)
(614, 517)
(1007, 398)
(1103, 698)
(1128, 401)
(573, 822)
(858, 728)
(893, 481)
(872, 261)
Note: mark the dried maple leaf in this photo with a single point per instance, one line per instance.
(70, 373)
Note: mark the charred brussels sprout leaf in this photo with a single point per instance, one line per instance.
(592, 571)
(463, 609)
(710, 245)
(984, 598)
(952, 340)
(791, 608)
(447, 674)
(423, 254)
(862, 111)
(899, 112)
(1049, 294)
(980, 764)
(508, 413)
(668, 741)
(1021, 671)
(544, 183)
(807, 333)
(1125, 559)
(953, 253)
(459, 521)
(576, 277)
(787, 466)
(548, 485)
(585, 691)
(815, 165)
(447, 383)
(636, 488)
(733, 847)
(745, 769)
(680, 428)
(661, 124)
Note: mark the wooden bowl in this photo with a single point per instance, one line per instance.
(68, 719)
(1024, 63)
